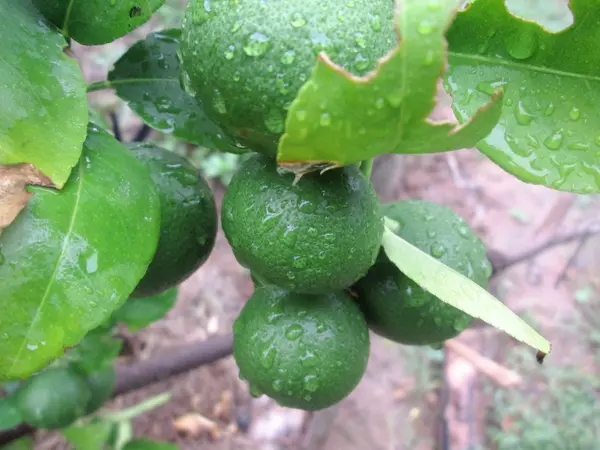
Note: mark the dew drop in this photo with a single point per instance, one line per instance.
(297, 20)
(230, 52)
(574, 113)
(275, 121)
(298, 262)
(462, 229)
(395, 98)
(437, 250)
(311, 383)
(523, 116)
(425, 28)
(288, 57)
(256, 44)
(301, 115)
(325, 120)
(277, 385)
(91, 264)
(255, 391)
(555, 140)
(360, 40)
(293, 332)
(219, 104)
(236, 26)
(433, 5)
(360, 62)
(375, 22)
(429, 56)
(532, 141)
(431, 234)
(579, 146)
(521, 45)
(489, 88)
(236, 76)
(379, 103)
(268, 357)
(550, 109)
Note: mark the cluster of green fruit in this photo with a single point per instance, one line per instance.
(313, 246)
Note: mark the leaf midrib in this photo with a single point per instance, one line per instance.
(65, 243)
(523, 66)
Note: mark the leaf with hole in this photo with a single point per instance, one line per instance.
(44, 110)
(549, 131)
(73, 256)
(148, 77)
(93, 22)
(338, 118)
(456, 289)
(137, 313)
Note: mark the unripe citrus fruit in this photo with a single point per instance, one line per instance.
(304, 351)
(317, 236)
(398, 308)
(246, 60)
(188, 223)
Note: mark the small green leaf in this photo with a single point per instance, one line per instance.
(93, 22)
(92, 436)
(138, 313)
(44, 110)
(25, 443)
(148, 76)
(146, 444)
(457, 290)
(96, 351)
(338, 118)
(73, 256)
(9, 413)
(549, 132)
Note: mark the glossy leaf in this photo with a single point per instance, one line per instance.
(92, 436)
(73, 256)
(138, 313)
(146, 444)
(456, 289)
(93, 22)
(338, 118)
(549, 132)
(96, 351)
(148, 76)
(44, 110)
(9, 413)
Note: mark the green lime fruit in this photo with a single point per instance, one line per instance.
(101, 384)
(53, 399)
(188, 222)
(304, 351)
(316, 236)
(246, 60)
(94, 22)
(396, 307)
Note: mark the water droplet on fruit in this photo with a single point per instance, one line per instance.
(360, 40)
(325, 120)
(301, 115)
(201, 13)
(230, 52)
(275, 121)
(555, 140)
(236, 26)
(460, 323)
(574, 113)
(375, 22)
(268, 357)
(523, 116)
(273, 317)
(379, 103)
(437, 320)
(360, 62)
(437, 250)
(219, 103)
(521, 45)
(489, 88)
(428, 58)
(297, 20)
(395, 98)
(487, 268)
(307, 207)
(288, 57)
(277, 385)
(425, 28)
(256, 44)
(298, 262)
(532, 141)
(236, 76)
(311, 383)
(550, 109)
(255, 391)
(294, 332)
(433, 5)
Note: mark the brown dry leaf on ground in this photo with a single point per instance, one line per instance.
(196, 425)
(13, 193)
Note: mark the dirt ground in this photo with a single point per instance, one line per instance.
(402, 403)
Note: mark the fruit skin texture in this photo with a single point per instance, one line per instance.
(306, 352)
(318, 236)
(246, 60)
(93, 22)
(100, 384)
(188, 224)
(394, 305)
(53, 399)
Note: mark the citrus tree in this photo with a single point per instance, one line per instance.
(95, 232)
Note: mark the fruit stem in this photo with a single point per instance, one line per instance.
(366, 167)
(98, 85)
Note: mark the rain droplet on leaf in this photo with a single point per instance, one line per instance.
(297, 20)
(555, 140)
(256, 44)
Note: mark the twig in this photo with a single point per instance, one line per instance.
(564, 272)
(142, 134)
(166, 364)
(319, 428)
(115, 126)
(499, 374)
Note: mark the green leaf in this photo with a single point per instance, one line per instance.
(456, 289)
(91, 436)
(338, 118)
(146, 444)
(44, 110)
(549, 132)
(138, 313)
(25, 443)
(148, 76)
(93, 22)
(9, 413)
(96, 351)
(73, 256)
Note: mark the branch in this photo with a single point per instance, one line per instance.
(166, 364)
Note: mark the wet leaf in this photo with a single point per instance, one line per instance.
(44, 110)
(338, 118)
(93, 22)
(456, 289)
(73, 256)
(147, 77)
(138, 313)
(549, 132)
(95, 352)
(9, 413)
(92, 436)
